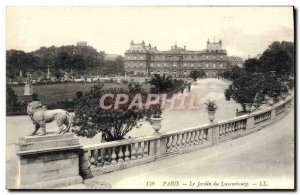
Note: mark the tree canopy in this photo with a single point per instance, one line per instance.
(278, 57)
(65, 58)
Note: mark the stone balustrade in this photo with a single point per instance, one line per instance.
(59, 160)
(116, 155)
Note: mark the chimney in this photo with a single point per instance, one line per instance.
(184, 47)
(131, 43)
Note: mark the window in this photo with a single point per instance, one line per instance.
(165, 64)
(192, 65)
(206, 65)
(214, 65)
(174, 65)
(141, 57)
(221, 65)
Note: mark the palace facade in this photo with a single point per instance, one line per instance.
(146, 60)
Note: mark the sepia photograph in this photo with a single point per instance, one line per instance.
(150, 98)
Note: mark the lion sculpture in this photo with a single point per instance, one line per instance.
(40, 116)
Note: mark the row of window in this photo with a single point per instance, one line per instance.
(165, 72)
(141, 64)
(184, 57)
(175, 66)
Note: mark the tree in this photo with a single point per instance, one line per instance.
(233, 73)
(228, 93)
(78, 94)
(161, 84)
(202, 74)
(11, 98)
(278, 57)
(252, 65)
(134, 87)
(58, 74)
(246, 88)
(195, 74)
(91, 119)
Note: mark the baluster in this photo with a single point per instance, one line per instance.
(133, 151)
(221, 130)
(238, 126)
(127, 154)
(234, 127)
(179, 138)
(169, 143)
(183, 140)
(192, 138)
(96, 154)
(120, 155)
(145, 148)
(107, 156)
(113, 156)
(100, 159)
(188, 137)
(197, 137)
(140, 150)
(205, 135)
(227, 129)
(201, 136)
(174, 142)
(92, 159)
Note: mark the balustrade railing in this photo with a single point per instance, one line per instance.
(112, 156)
(263, 117)
(185, 139)
(234, 127)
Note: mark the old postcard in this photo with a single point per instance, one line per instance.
(149, 98)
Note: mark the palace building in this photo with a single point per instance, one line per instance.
(146, 60)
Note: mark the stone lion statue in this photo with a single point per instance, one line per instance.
(40, 116)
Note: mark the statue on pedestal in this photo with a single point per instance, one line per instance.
(40, 116)
(28, 88)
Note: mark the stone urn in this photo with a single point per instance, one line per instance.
(211, 115)
(248, 107)
(156, 123)
(271, 101)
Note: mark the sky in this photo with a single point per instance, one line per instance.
(244, 31)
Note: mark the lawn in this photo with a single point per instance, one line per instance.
(52, 93)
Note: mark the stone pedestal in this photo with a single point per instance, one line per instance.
(28, 90)
(48, 161)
